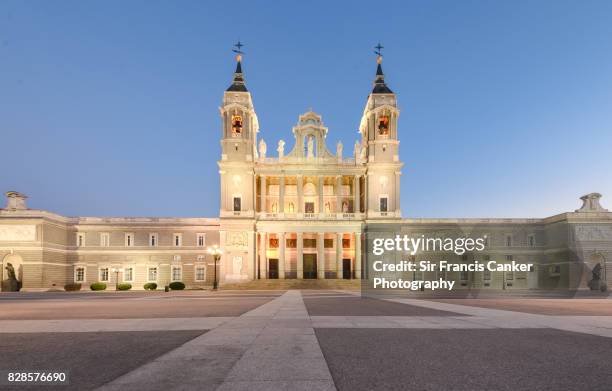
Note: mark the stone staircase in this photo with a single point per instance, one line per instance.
(293, 284)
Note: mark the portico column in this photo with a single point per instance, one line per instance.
(358, 255)
(281, 195)
(263, 260)
(320, 255)
(262, 193)
(300, 191)
(338, 199)
(300, 255)
(281, 255)
(321, 206)
(338, 255)
(357, 198)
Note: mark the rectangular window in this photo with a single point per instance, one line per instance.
(508, 240)
(104, 239)
(237, 204)
(328, 243)
(80, 239)
(153, 239)
(309, 207)
(152, 274)
(201, 240)
(509, 258)
(464, 275)
(346, 243)
(310, 243)
(128, 274)
(129, 239)
(273, 243)
(554, 270)
(104, 274)
(79, 274)
(176, 273)
(486, 275)
(531, 240)
(383, 204)
(200, 273)
(178, 240)
(291, 243)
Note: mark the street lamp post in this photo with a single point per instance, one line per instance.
(216, 253)
(117, 271)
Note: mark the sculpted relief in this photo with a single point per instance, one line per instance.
(237, 239)
(593, 232)
(17, 233)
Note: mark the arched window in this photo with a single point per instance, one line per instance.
(236, 125)
(383, 125)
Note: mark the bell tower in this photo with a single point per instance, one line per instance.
(240, 125)
(239, 134)
(379, 139)
(236, 170)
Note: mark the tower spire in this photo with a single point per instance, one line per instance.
(379, 82)
(238, 81)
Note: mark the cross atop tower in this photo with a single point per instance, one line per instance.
(378, 50)
(238, 46)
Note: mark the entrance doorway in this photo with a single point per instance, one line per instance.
(273, 269)
(310, 266)
(346, 269)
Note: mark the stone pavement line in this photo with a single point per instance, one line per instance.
(107, 325)
(594, 325)
(216, 358)
(285, 356)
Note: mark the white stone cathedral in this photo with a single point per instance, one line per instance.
(300, 214)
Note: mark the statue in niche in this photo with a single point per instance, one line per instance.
(262, 148)
(339, 150)
(595, 283)
(383, 125)
(281, 149)
(11, 284)
(237, 269)
(310, 147)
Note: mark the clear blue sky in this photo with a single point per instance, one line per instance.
(110, 108)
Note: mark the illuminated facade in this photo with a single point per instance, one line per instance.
(300, 214)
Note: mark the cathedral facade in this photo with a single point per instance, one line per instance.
(302, 213)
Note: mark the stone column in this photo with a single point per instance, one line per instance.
(263, 259)
(223, 198)
(338, 198)
(300, 193)
(281, 255)
(398, 210)
(263, 193)
(281, 195)
(358, 255)
(338, 255)
(357, 198)
(320, 256)
(321, 205)
(300, 255)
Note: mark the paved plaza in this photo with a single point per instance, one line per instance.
(306, 340)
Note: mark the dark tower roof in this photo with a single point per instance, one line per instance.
(379, 82)
(238, 82)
